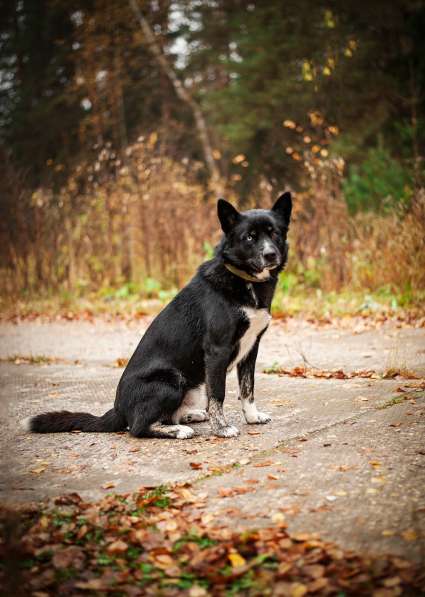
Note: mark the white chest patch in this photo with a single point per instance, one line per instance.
(258, 321)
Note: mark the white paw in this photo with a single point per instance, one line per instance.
(195, 416)
(184, 432)
(229, 431)
(257, 418)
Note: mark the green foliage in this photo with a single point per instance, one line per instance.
(125, 291)
(151, 286)
(158, 496)
(288, 282)
(306, 277)
(203, 542)
(245, 583)
(208, 250)
(378, 183)
(274, 368)
(104, 559)
(148, 288)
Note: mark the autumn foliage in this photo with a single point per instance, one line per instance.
(163, 542)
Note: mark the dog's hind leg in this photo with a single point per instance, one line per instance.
(193, 407)
(156, 401)
(170, 432)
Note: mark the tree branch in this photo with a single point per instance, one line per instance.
(180, 90)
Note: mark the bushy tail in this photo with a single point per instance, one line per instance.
(59, 421)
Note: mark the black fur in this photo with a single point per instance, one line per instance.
(194, 340)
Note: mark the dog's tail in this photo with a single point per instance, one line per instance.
(59, 421)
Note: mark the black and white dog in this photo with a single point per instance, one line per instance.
(177, 374)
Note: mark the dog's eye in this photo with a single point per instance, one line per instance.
(250, 237)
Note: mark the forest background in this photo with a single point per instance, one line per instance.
(121, 122)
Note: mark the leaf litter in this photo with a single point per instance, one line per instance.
(313, 372)
(159, 541)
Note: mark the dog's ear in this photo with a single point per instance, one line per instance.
(283, 207)
(227, 214)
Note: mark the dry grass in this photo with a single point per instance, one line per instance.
(390, 250)
(137, 231)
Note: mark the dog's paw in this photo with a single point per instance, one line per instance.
(258, 418)
(229, 431)
(195, 416)
(184, 432)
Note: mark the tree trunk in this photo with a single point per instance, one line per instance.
(180, 90)
(71, 254)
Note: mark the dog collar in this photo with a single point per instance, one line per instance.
(241, 274)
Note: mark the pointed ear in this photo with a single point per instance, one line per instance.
(227, 214)
(283, 207)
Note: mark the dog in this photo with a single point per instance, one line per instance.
(177, 374)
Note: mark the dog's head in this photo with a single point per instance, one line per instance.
(255, 241)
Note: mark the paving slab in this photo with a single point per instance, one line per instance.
(358, 347)
(360, 483)
(343, 457)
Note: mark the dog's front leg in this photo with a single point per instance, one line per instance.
(216, 362)
(246, 375)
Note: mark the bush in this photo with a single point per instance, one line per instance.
(380, 183)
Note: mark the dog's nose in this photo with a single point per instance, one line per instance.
(270, 256)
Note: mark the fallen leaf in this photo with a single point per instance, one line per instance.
(121, 362)
(109, 485)
(196, 465)
(394, 581)
(300, 537)
(315, 570)
(38, 469)
(94, 584)
(197, 591)
(71, 556)
(279, 519)
(232, 491)
(297, 590)
(264, 463)
(400, 563)
(317, 585)
(409, 535)
(236, 559)
(117, 547)
(163, 560)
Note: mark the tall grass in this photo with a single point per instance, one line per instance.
(144, 222)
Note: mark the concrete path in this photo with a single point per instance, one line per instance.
(345, 458)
